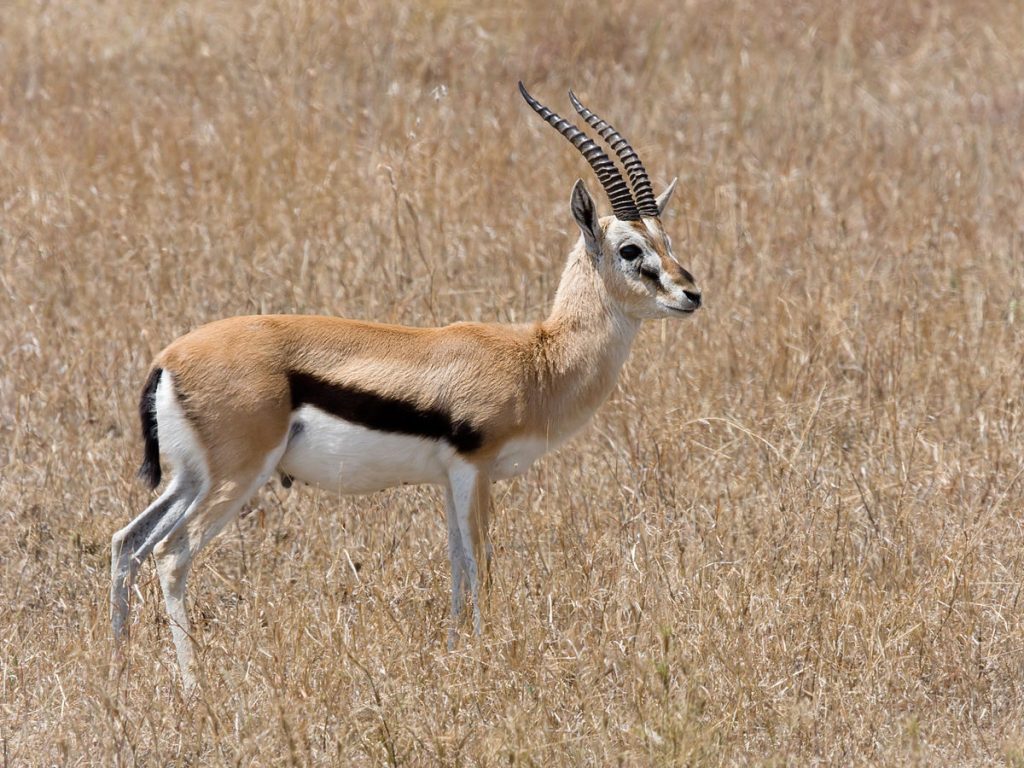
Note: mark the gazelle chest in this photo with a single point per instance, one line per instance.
(518, 453)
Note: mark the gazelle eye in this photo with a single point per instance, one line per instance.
(630, 252)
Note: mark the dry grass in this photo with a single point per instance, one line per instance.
(792, 536)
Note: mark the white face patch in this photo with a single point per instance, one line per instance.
(618, 233)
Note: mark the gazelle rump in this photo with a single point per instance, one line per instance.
(356, 407)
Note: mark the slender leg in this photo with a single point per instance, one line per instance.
(483, 515)
(133, 543)
(486, 508)
(457, 560)
(470, 491)
(173, 562)
(203, 521)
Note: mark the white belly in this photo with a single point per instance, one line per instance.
(343, 457)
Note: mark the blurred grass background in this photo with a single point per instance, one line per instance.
(792, 536)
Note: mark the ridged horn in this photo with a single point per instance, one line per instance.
(615, 186)
(645, 200)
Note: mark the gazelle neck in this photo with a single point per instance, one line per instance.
(582, 345)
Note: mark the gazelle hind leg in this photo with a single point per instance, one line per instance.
(197, 528)
(133, 543)
(174, 557)
(129, 546)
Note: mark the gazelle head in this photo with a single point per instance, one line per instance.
(630, 249)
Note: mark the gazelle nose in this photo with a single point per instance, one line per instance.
(693, 296)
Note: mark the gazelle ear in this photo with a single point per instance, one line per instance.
(585, 213)
(665, 196)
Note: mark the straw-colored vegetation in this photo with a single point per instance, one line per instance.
(792, 536)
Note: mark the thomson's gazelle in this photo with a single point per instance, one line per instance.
(356, 407)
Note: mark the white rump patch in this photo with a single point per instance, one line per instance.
(178, 440)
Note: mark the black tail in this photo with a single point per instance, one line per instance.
(150, 469)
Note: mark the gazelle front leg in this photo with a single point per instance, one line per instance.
(457, 560)
(470, 498)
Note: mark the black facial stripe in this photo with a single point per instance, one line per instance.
(386, 414)
(650, 274)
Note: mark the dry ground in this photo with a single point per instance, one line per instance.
(792, 536)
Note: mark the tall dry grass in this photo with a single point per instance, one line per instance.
(792, 536)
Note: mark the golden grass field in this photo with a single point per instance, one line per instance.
(793, 535)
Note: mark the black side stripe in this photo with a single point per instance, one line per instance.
(386, 414)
